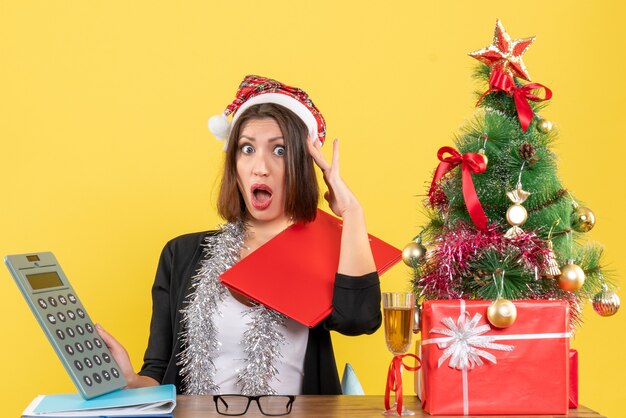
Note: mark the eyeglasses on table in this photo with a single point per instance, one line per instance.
(270, 405)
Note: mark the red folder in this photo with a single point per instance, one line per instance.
(294, 272)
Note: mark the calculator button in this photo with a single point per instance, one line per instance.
(71, 315)
(89, 345)
(42, 303)
(97, 360)
(52, 301)
(106, 375)
(114, 372)
(87, 380)
(60, 334)
(69, 350)
(88, 327)
(61, 316)
(97, 378)
(80, 329)
(78, 365)
(63, 300)
(88, 362)
(71, 298)
(97, 342)
(106, 357)
(80, 312)
(79, 347)
(51, 318)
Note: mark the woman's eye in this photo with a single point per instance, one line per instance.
(279, 150)
(247, 149)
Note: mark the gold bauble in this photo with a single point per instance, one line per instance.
(544, 126)
(572, 277)
(502, 313)
(482, 152)
(583, 219)
(606, 303)
(516, 215)
(413, 253)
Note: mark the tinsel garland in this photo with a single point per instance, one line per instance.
(261, 342)
(457, 247)
(200, 342)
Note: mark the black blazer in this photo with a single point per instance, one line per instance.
(356, 310)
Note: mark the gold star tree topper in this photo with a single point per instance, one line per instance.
(505, 54)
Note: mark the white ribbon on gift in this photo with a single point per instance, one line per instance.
(465, 342)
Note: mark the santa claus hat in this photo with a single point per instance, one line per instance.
(256, 90)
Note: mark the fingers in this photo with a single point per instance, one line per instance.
(335, 160)
(116, 348)
(119, 353)
(108, 339)
(316, 153)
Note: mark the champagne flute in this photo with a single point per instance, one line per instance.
(398, 309)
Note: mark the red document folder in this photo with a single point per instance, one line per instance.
(294, 272)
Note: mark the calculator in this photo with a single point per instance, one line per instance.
(66, 323)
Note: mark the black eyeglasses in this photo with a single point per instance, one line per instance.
(271, 405)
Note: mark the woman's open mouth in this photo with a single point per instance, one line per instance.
(261, 196)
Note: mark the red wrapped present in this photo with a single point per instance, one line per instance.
(573, 378)
(471, 367)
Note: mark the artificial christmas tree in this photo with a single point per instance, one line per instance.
(502, 225)
(501, 266)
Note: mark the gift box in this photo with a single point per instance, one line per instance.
(573, 378)
(472, 367)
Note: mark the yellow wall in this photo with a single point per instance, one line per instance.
(105, 153)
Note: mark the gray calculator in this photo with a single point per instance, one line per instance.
(65, 322)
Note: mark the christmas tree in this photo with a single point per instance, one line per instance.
(502, 226)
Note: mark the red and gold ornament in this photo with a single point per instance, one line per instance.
(504, 58)
(505, 54)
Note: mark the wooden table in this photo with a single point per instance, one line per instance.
(327, 407)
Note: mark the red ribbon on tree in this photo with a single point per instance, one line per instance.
(501, 81)
(394, 379)
(471, 163)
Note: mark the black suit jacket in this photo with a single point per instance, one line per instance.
(356, 310)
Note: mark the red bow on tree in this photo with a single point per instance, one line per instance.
(501, 81)
(471, 163)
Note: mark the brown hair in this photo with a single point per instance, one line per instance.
(301, 189)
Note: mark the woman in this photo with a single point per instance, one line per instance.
(206, 338)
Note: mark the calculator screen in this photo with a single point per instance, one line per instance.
(44, 280)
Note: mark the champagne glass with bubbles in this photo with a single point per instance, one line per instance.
(398, 310)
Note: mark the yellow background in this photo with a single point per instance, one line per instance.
(105, 153)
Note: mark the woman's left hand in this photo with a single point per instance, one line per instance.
(355, 256)
(340, 198)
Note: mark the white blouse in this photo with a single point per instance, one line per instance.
(230, 357)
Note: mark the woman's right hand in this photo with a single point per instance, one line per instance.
(122, 358)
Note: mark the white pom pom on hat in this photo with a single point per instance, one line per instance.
(219, 126)
(256, 90)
